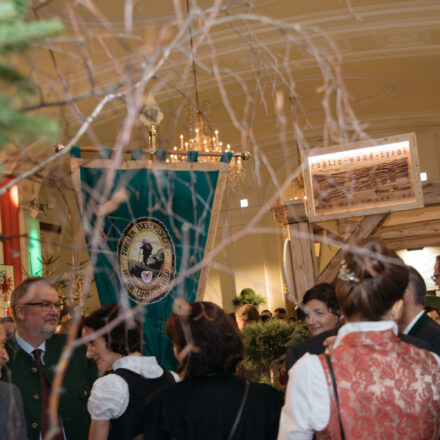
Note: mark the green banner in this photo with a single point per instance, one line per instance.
(151, 245)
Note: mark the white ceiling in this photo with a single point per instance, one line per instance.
(375, 62)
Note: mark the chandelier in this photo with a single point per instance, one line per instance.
(208, 146)
(202, 140)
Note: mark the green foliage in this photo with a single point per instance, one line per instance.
(247, 296)
(266, 342)
(265, 346)
(16, 36)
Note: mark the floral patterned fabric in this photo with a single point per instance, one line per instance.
(387, 389)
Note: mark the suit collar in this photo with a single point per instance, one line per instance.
(26, 347)
(414, 329)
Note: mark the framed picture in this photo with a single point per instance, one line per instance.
(363, 178)
(6, 287)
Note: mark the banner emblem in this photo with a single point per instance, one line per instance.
(146, 260)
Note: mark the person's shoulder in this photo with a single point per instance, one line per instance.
(169, 393)
(433, 325)
(265, 389)
(109, 383)
(417, 342)
(9, 393)
(7, 387)
(314, 344)
(57, 339)
(427, 329)
(11, 345)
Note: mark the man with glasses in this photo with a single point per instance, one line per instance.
(34, 351)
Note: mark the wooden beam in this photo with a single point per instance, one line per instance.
(400, 218)
(431, 211)
(413, 230)
(431, 193)
(413, 216)
(365, 228)
(405, 242)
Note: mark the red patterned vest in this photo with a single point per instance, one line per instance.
(387, 389)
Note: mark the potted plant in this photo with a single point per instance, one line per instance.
(265, 346)
(248, 296)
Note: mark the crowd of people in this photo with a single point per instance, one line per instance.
(370, 370)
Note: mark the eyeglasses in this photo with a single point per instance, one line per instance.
(46, 306)
(434, 277)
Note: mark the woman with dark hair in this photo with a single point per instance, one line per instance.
(371, 384)
(117, 401)
(320, 308)
(210, 402)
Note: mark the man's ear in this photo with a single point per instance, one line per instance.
(19, 312)
(407, 296)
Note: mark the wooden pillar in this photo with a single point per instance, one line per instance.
(302, 247)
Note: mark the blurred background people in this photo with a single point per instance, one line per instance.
(233, 320)
(8, 325)
(280, 313)
(246, 314)
(117, 400)
(265, 315)
(210, 402)
(381, 381)
(433, 314)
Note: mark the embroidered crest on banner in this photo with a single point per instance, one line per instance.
(146, 259)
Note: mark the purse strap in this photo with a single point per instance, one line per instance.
(240, 411)
(335, 390)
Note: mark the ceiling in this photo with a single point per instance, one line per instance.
(276, 74)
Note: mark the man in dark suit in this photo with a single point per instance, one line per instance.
(34, 350)
(414, 321)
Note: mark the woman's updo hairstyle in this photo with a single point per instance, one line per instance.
(371, 280)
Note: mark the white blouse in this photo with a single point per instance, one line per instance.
(110, 396)
(307, 406)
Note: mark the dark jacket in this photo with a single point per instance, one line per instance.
(428, 330)
(78, 380)
(314, 345)
(206, 408)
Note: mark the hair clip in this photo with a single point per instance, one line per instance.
(346, 274)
